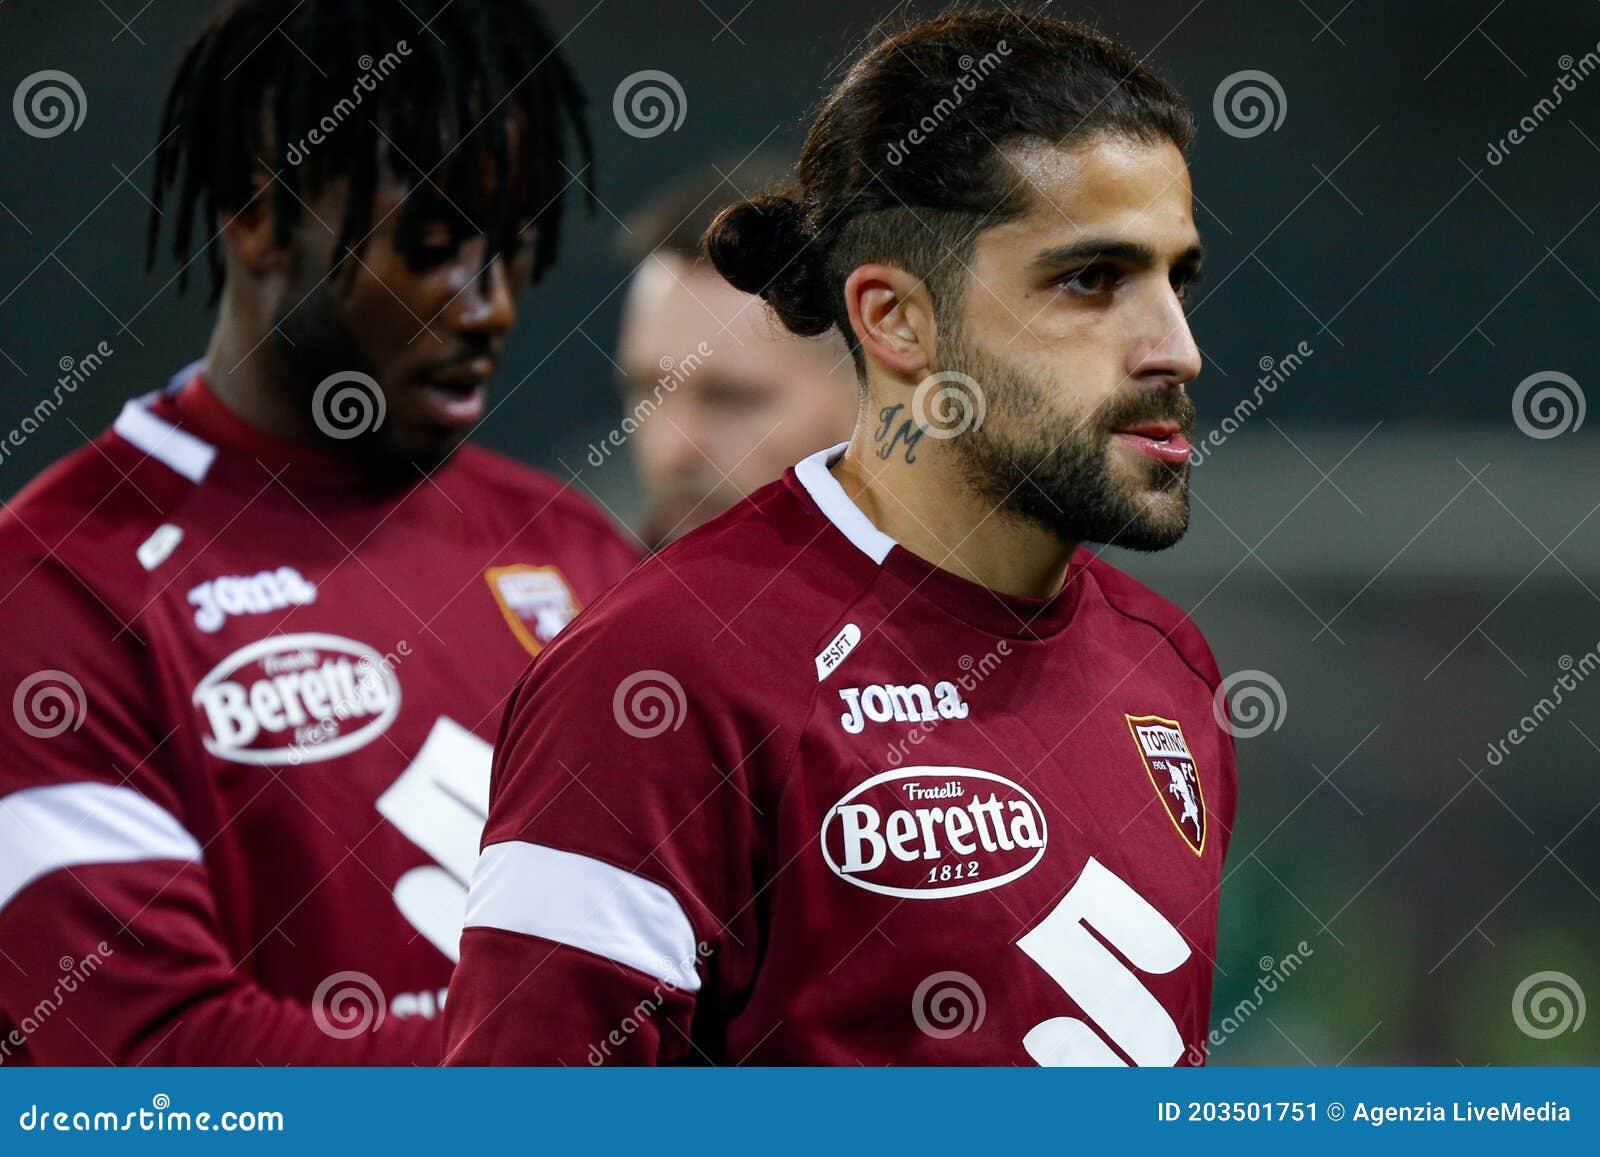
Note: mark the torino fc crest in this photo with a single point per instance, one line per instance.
(1173, 774)
(536, 601)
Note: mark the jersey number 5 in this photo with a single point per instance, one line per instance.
(439, 802)
(1106, 990)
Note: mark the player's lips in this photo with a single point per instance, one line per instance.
(456, 395)
(1163, 441)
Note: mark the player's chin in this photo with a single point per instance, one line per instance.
(1157, 518)
(410, 450)
(672, 518)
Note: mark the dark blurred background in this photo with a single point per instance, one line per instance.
(1395, 549)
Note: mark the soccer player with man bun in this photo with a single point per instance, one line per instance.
(259, 633)
(882, 766)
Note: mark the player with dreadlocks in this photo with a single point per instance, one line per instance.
(258, 634)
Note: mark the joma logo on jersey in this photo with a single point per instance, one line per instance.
(912, 703)
(1172, 771)
(253, 594)
(296, 699)
(925, 833)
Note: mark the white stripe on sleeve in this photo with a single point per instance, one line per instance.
(584, 903)
(69, 825)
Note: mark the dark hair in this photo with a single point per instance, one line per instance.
(467, 101)
(678, 214)
(902, 163)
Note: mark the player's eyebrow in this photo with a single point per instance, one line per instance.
(1134, 253)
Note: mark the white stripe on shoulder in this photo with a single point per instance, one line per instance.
(584, 903)
(163, 441)
(70, 825)
(836, 505)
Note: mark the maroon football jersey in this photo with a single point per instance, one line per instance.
(792, 794)
(243, 779)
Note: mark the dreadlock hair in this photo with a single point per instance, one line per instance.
(468, 102)
(903, 162)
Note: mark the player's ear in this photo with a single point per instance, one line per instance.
(248, 231)
(892, 315)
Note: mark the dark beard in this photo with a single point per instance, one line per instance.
(1057, 473)
(311, 343)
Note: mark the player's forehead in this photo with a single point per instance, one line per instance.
(674, 304)
(469, 188)
(1110, 187)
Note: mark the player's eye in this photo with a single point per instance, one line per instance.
(1092, 280)
(1183, 280)
(438, 242)
(434, 248)
(735, 396)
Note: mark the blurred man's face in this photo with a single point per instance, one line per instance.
(1073, 328)
(428, 330)
(734, 420)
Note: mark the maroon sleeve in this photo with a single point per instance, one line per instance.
(111, 951)
(612, 915)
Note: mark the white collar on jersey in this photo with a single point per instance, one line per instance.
(182, 451)
(836, 505)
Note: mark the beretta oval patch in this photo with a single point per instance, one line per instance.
(290, 699)
(928, 833)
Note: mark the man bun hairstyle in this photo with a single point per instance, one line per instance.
(903, 162)
(762, 246)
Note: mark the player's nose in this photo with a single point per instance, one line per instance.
(487, 305)
(1167, 351)
(684, 443)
